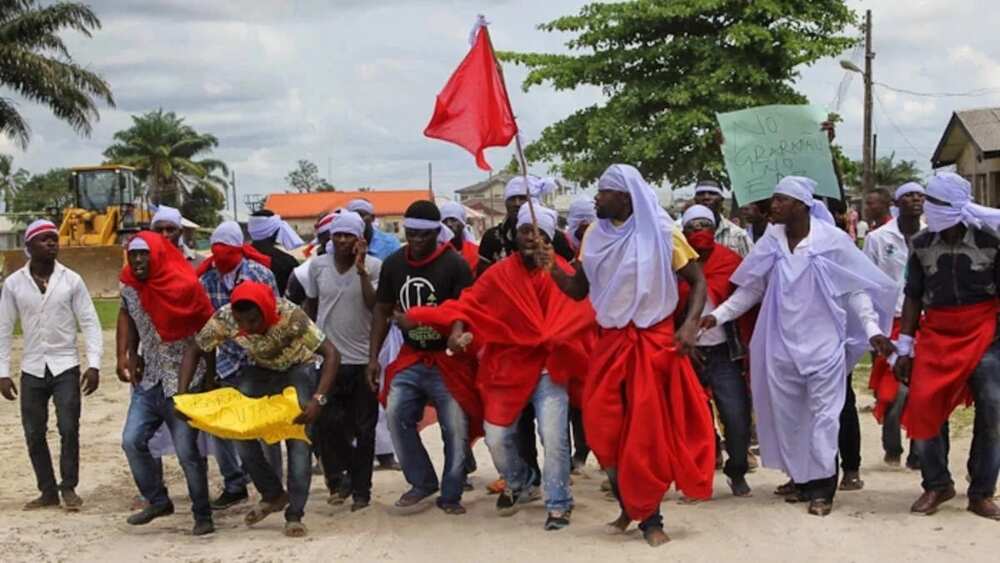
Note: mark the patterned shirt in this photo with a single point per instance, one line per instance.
(734, 238)
(293, 340)
(942, 275)
(231, 358)
(161, 361)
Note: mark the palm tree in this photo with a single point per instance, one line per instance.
(164, 149)
(890, 173)
(35, 63)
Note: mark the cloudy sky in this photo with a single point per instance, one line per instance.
(350, 84)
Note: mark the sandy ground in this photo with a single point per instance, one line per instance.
(870, 525)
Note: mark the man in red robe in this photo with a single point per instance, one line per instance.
(644, 409)
(536, 344)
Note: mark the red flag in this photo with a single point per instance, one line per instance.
(473, 110)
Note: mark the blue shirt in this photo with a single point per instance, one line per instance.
(383, 244)
(230, 357)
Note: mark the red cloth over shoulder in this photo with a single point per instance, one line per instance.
(171, 295)
(524, 324)
(458, 372)
(646, 415)
(952, 342)
(470, 252)
(718, 269)
(248, 252)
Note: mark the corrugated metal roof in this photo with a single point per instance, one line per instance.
(981, 127)
(310, 205)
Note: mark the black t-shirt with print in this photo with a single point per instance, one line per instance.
(498, 242)
(406, 286)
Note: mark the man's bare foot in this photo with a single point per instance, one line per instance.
(619, 526)
(655, 537)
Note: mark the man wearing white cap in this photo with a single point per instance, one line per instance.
(579, 217)
(806, 273)
(953, 276)
(266, 230)
(381, 244)
(501, 241)
(453, 217)
(50, 300)
(888, 248)
(644, 409)
(341, 288)
(729, 234)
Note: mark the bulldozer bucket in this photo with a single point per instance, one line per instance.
(99, 266)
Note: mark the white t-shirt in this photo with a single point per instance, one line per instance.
(341, 311)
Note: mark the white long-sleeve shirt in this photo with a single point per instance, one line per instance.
(49, 322)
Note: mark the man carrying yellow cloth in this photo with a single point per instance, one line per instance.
(282, 343)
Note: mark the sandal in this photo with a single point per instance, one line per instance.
(263, 508)
(296, 530)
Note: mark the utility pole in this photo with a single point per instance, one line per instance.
(430, 176)
(868, 160)
(236, 216)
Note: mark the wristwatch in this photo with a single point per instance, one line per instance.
(320, 399)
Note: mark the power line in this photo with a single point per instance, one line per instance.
(969, 94)
(892, 122)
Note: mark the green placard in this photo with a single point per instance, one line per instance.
(765, 144)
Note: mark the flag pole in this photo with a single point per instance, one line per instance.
(517, 136)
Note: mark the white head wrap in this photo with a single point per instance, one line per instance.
(444, 234)
(361, 206)
(697, 212)
(629, 265)
(36, 228)
(907, 188)
(137, 243)
(347, 222)
(708, 188)
(581, 211)
(956, 191)
(456, 211)
(535, 187)
(324, 224)
(546, 218)
(228, 233)
(167, 214)
(262, 228)
(803, 189)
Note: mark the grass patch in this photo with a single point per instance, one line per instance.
(107, 312)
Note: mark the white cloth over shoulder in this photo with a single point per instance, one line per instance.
(820, 304)
(629, 266)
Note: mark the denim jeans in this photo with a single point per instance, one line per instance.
(410, 392)
(235, 479)
(147, 410)
(892, 438)
(551, 407)
(984, 455)
(344, 434)
(724, 377)
(259, 382)
(64, 390)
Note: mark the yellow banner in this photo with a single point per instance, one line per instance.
(227, 413)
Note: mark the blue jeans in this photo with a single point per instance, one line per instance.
(410, 392)
(724, 377)
(551, 406)
(984, 455)
(235, 479)
(258, 382)
(147, 410)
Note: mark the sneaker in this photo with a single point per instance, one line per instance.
(150, 513)
(229, 500)
(507, 502)
(557, 520)
(71, 501)
(740, 487)
(851, 481)
(452, 508)
(412, 501)
(360, 504)
(44, 501)
(203, 528)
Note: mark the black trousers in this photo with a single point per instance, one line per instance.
(582, 450)
(64, 390)
(344, 434)
(849, 439)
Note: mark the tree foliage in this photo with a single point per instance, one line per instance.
(35, 63)
(305, 178)
(202, 206)
(666, 67)
(889, 172)
(41, 192)
(166, 152)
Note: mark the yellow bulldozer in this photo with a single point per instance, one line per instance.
(109, 204)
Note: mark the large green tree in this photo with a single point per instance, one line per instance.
(43, 192)
(35, 63)
(889, 172)
(666, 67)
(305, 178)
(170, 156)
(203, 206)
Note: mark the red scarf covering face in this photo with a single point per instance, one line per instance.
(261, 295)
(951, 343)
(719, 267)
(172, 296)
(646, 415)
(227, 258)
(524, 324)
(882, 382)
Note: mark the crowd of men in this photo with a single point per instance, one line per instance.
(623, 335)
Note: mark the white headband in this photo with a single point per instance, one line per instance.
(535, 187)
(453, 210)
(167, 214)
(263, 228)
(347, 222)
(545, 217)
(361, 205)
(708, 188)
(908, 188)
(228, 233)
(137, 243)
(697, 212)
(803, 189)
